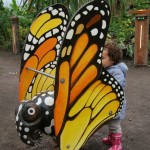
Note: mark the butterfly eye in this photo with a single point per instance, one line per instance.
(30, 112)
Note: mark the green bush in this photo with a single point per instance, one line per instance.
(25, 20)
(5, 27)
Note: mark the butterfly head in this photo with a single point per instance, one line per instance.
(35, 117)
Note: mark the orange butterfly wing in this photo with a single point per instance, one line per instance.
(84, 97)
(41, 51)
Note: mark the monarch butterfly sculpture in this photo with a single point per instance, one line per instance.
(64, 90)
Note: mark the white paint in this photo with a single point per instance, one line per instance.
(44, 11)
(28, 142)
(35, 41)
(102, 12)
(51, 93)
(72, 23)
(26, 129)
(59, 38)
(26, 55)
(31, 111)
(90, 7)
(77, 17)
(49, 101)
(47, 113)
(99, 61)
(54, 12)
(58, 46)
(25, 136)
(39, 101)
(48, 130)
(44, 94)
(62, 14)
(85, 12)
(70, 34)
(103, 24)
(30, 37)
(94, 32)
(32, 47)
(65, 22)
(101, 36)
(48, 34)
(30, 88)
(55, 31)
(27, 47)
(141, 34)
(50, 8)
(41, 40)
(96, 8)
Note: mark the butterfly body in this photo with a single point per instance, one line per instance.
(86, 95)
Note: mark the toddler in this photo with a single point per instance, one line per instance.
(111, 60)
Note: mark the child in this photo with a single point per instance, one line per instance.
(111, 60)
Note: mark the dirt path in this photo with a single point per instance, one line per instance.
(136, 126)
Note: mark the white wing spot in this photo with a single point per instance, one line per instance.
(101, 36)
(94, 32)
(27, 47)
(62, 14)
(44, 11)
(102, 12)
(72, 23)
(77, 17)
(32, 47)
(41, 40)
(90, 7)
(99, 61)
(35, 41)
(54, 12)
(50, 8)
(85, 12)
(96, 8)
(58, 46)
(26, 55)
(70, 34)
(55, 31)
(49, 34)
(108, 12)
(103, 24)
(65, 22)
(59, 38)
(30, 37)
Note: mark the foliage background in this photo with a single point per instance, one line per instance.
(121, 27)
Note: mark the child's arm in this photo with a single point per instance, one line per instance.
(120, 77)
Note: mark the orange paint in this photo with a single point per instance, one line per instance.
(27, 76)
(45, 47)
(61, 101)
(50, 56)
(84, 62)
(95, 19)
(79, 48)
(87, 77)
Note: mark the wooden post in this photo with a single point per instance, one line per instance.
(15, 34)
(141, 37)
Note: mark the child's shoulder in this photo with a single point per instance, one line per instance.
(118, 68)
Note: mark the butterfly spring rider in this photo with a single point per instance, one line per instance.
(64, 91)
